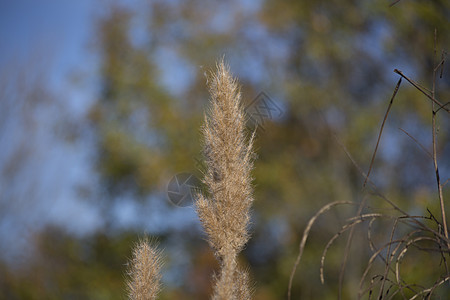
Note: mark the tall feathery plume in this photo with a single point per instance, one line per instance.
(224, 212)
(144, 272)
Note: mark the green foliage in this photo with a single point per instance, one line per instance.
(64, 267)
(137, 121)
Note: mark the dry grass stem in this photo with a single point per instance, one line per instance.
(305, 237)
(381, 130)
(224, 212)
(418, 234)
(144, 271)
(434, 133)
(421, 89)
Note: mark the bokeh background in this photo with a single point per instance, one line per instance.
(101, 104)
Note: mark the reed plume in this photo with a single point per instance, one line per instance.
(224, 211)
(144, 272)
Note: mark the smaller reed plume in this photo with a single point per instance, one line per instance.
(144, 281)
(225, 211)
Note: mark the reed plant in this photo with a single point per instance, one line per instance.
(224, 209)
(144, 271)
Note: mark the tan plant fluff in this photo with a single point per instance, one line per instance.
(144, 271)
(224, 213)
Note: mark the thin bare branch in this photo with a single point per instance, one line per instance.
(393, 3)
(418, 143)
(435, 163)
(305, 237)
(355, 221)
(379, 194)
(381, 129)
(347, 249)
(389, 257)
(417, 86)
(430, 290)
(443, 56)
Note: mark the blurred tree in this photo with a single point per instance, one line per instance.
(65, 267)
(140, 139)
(328, 65)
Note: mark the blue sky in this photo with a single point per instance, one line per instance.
(46, 43)
(58, 28)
